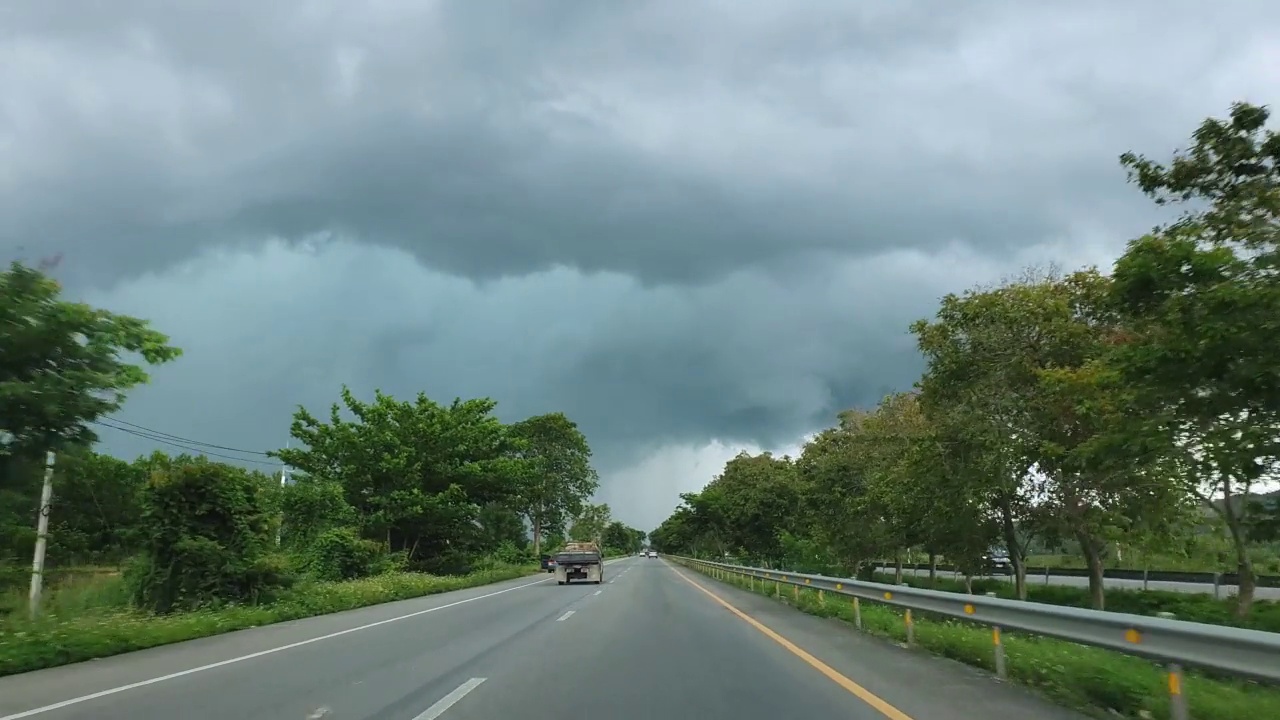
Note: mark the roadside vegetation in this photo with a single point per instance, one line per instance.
(388, 499)
(1128, 418)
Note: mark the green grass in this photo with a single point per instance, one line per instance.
(1096, 681)
(91, 618)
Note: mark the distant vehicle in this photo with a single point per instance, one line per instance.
(997, 559)
(653, 553)
(579, 561)
(548, 563)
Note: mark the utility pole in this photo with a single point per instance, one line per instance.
(42, 537)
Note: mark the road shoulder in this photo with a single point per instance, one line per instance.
(922, 685)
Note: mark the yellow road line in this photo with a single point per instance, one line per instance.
(832, 674)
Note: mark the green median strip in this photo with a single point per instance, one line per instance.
(1099, 682)
(52, 641)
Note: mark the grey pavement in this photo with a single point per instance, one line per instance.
(645, 645)
(1262, 593)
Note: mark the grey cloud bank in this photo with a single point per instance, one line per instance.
(678, 224)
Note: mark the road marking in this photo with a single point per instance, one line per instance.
(449, 700)
(597, 592)
(251, 656)
(562, 618)
(832, 674)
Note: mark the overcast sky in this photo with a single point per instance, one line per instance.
(696, 227)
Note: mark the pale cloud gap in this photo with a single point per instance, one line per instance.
(694, 228)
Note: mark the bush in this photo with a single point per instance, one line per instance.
(341, 554)
(53, 640)
(208, 528)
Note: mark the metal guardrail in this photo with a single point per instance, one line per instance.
(1216, 579)
(1245, 653)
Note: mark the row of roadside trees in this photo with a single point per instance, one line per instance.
(1139, 406)
(380, 485)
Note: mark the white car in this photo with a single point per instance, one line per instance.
(653, 553)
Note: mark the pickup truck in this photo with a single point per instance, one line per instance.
(579, 561)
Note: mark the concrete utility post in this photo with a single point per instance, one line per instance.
(42, 537)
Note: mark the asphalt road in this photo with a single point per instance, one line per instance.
(654, 642)
(1262, 593)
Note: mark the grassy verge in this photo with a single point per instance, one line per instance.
(1096, 681)
(79, 626)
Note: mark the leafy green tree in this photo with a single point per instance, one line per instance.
(60, 362)
(762, 498)
(844, 516)
(417, 473)
(500, 524)
(618, 536)
(99, 501)
(590, 524)
(976, 354)
(1200, 299)
(560, 478)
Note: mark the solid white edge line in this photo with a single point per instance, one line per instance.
(562, 618)
(231, 661)
(251, 656)
(449, 700)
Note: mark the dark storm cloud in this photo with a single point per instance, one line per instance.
(679, 222)
(494, 138)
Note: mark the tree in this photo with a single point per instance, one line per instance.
(559, 478)
(99, 500)
(417, 473)
(843, 515)
(761, 498)
(617, 536)
(1201, 302)
(590, 524)
(978, 355)
(60, 362)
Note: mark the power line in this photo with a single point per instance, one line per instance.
(202, 451)
(178, 438)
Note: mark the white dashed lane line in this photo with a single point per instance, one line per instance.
(566, 616)
(449, 700)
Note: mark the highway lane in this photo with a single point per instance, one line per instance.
(1262, 593)
(653, 642)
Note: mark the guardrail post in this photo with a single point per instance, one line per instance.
(1217, 585)
(777, 589)
(1001, 671)
(1046, 574)
(795, 593)
(1177, 700)
(911, 628)
(822, 598)
(857, 614)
